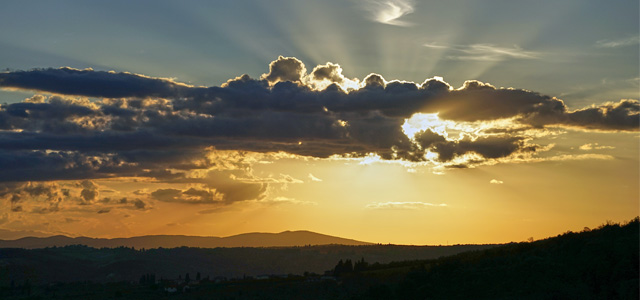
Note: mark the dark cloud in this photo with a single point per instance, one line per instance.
(234, 190)
(139, 204)
(373, 81)
(92, 83)
(52, 196)
(47, 196)
(330, 72)
(89, 192)
(218, 187)
(623, 115)
(487, 147)
(151, 127)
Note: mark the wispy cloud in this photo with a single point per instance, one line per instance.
(286, 200)
(495, 181)
(594, 146)
(402, 205)
(628, 41)
(389, 11)
(485, 52)
(313, 178)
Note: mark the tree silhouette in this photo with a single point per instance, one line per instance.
(343, 267)
(348, 266)
(360, 265)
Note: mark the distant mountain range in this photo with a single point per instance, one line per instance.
(282, 239)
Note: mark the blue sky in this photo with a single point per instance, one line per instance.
(580, 51)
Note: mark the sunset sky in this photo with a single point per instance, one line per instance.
(386, 121)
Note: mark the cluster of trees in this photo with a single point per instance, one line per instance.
(347, 266)
(187, 278)
(148, 279)
(593, 264)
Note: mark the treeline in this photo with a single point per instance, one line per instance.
(80, 263)
(592, 264)
(348, 267)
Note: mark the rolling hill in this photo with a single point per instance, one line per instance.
(282, 239)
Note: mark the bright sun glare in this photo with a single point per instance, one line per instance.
(420, 122)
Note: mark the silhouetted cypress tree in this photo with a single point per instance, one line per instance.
(348, 266)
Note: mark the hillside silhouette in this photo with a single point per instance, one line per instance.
(79, 262)
(593, 264)
(282, 239)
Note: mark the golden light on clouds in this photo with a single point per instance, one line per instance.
(294, 148)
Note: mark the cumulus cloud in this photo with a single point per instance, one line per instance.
(330, 72)
(157, 128)
(496, 181)
(285, 69)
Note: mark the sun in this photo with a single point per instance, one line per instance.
(422, 121)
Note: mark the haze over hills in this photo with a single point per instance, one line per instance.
(282, 239)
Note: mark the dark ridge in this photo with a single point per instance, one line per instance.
(282, 239)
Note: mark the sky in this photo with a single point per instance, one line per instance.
(386, 121)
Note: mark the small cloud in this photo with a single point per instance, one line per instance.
(495, 181)
(633, 40)
(313, 178)
(403, 205)
(389, 11)
(569, 157)
(280, 200)
(594, 146)
(142, 192)
(139, 204)
(289, 179)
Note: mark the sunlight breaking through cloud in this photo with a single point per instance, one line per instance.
(160, 129)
